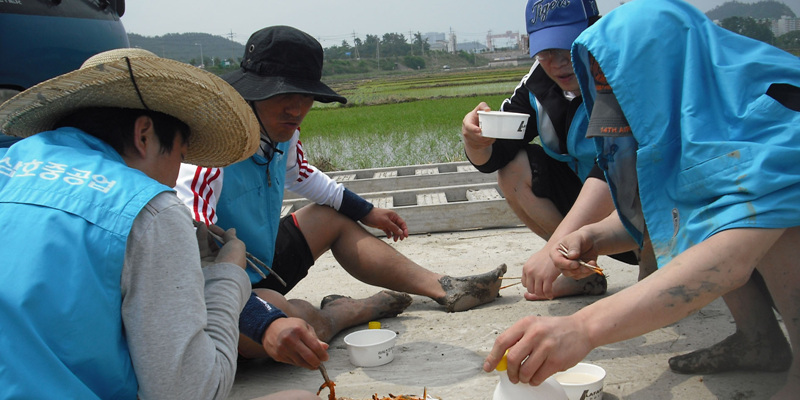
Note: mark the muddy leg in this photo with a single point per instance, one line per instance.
(342, 312)
(736, 353)
(647, 261)
(757, 345)
(463, 293)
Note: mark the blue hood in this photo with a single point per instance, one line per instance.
(714, 151)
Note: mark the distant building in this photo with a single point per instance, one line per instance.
(784, 25)
(511, 39)
(439, 41)
(452, 43)
(471, 47)
(438, 45)
(436, 40)
(433, 37)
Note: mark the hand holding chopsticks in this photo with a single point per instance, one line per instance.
(252, 261)
(563, 250)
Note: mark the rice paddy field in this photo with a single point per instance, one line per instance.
(401, 120)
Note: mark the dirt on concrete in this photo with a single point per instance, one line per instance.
(444, 352)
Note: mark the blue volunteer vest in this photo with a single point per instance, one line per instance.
(251, 202)
(68, 202)
(581, 153)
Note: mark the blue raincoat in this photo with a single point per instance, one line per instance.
(712, 151)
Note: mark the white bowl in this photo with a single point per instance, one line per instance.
(550, 389)
(503, 125)
(371, 347)
(583, 381)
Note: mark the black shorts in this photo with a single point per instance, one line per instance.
(555, 180)
(292, 258)
(552, 179)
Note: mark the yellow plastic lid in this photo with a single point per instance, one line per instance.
(503, 364)
(374, 325)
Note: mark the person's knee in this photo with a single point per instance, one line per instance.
(272, 297)
(316, 214)
(515, 176)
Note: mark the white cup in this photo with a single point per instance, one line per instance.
(582, 382)
(503, 125)
(548, 390)
(371, 347)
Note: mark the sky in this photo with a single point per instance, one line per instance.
(332, 21)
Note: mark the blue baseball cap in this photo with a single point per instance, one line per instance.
(555, 24)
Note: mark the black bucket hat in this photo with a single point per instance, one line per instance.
(280, 60)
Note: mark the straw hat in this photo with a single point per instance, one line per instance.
(224, 128)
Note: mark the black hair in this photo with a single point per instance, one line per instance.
(115, 126)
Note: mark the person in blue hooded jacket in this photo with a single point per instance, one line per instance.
(698, 131)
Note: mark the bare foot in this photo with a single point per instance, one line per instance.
(737, 353)
(384, 304)
(593, 285)
(463, 293)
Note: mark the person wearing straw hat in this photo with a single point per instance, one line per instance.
(541, 181)
(280, 77)
(102, 294)
(707, 167)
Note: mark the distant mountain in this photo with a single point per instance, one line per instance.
(764, 9)
(186, 47)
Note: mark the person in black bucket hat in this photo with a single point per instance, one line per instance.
(280, 78)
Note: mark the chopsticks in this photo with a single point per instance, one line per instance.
(563, 250)
(510, 277)
(252, 261)
(513, 284)
(328, 383)
(324, 372)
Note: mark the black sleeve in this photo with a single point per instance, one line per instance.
(354, 206)
(598, 173)
(504, 150)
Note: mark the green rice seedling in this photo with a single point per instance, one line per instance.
(427, 86)
(420, 132)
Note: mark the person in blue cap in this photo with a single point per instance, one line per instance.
(542, 181)
(280, 77)
(698, 131)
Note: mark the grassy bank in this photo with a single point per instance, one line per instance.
(401, 121)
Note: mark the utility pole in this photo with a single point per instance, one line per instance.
(411, 42)
(231, 35)
(355, 46)
(202, 63)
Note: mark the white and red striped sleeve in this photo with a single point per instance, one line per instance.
(307, 181)
(199, 189)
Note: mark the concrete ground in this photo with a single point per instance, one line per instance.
(444, 352)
